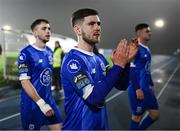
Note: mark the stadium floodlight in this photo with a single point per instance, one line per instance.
(6, 28)
(159, 23)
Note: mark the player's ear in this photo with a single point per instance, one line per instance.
(34, 32)
(138, 32)
(77, 29)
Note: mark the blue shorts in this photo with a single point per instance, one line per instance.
(33, 119)
(138, 107)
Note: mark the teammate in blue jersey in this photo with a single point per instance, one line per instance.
(85, 80)
(141, 87)
(37, 105)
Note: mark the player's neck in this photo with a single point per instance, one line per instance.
(85, 46)
(142, 41)
(40, 44)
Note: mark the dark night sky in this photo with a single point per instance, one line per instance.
(118, 18)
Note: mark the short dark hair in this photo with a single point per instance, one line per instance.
(81, 13)
(141, 26)
(37, 22)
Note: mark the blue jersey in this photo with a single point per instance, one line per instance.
(140, 69)
(36, 65)
(81, 73)
(140, 78)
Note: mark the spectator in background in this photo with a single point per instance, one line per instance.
(57, 60)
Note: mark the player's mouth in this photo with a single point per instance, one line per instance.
(96, 34)
(47, 36)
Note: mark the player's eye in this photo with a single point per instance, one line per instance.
(91, 23)
(44, 28)
(99, 23)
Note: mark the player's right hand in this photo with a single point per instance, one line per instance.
(139, 94)
(120, 55)
(45, 108)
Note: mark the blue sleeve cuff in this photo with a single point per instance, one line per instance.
(117, 69)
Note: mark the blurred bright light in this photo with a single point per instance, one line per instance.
(159, 23)
(7, 28)
(160, 81)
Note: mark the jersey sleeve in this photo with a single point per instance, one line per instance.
(24, 70)
(75, 71)
(123, 82)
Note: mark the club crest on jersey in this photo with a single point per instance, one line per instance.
(73, 66)
(22, 57)
(45, 77)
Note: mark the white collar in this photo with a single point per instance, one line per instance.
(37, 48)
(143, 46)
(85, 52)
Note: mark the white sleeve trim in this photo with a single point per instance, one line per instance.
(24, 77)
(87, 90)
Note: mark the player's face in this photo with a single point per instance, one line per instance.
(42, 32)
(91, 29)
(146, 34)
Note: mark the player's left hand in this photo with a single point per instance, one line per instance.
(133, 48)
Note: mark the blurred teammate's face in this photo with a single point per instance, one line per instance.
(145, 34)
(91, 29)
(42, 32)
